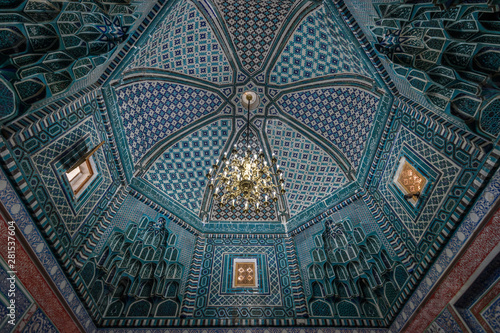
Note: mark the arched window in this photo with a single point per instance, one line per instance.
(146, 271)
(134, 268)
(329, 270)
(340, 272)
(352, 270)
(146, 289)
(117, 242)
(157, 240)
(111, 275)
(376, 276)
(317, 289)
(171, 254)
(338, 256)
(144, 222)
(373, 245)
(172, 239)
(364, 288)
(315, 272)
(125, 261)
(318, 241)
(354, 289)
(362, 259)
(122, 288)
(345, 257)
(171, 290)
(131, 231)
(160, 269)
(347, 309)
(174, 272)
(137, 248)
(342, 290)
(103, 258)
(365, 251)
(385, 259)
(341, 240)
(350, 252)
(347, 226)
(150, 236)
(358, 235)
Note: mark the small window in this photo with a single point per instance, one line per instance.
(81, 175)
(410, 181)
(245, 273)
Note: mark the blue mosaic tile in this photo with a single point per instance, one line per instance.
(180, 171)
(317, 48)
(444, 323)
(310, 173)
(344, 116)
(42, 160)
(152, 110)
(131, 210)
(274, 294)
(491, 315)
(39, 322)
(418, 224)
(184, 42)
(254, 39)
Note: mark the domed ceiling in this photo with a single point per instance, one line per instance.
(154, 89)
(178, 105)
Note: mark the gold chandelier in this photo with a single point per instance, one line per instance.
(246, 177)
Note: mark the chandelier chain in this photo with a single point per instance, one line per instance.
(246, 178)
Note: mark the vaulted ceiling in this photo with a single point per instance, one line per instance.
(178, 99)
(344, 101)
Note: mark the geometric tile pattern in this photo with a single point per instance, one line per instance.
(253, 40)
(180, 171)
(272, 298)
(153, 110)
(221, 293)
(226, 213)
(39, 322)
(492, 315)
(445, 322)
(131, 210)
(418, 225)
(184, 42)
(43, 162)
(318, 47)
(74, 43)
(342, 115)
(310, 173)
